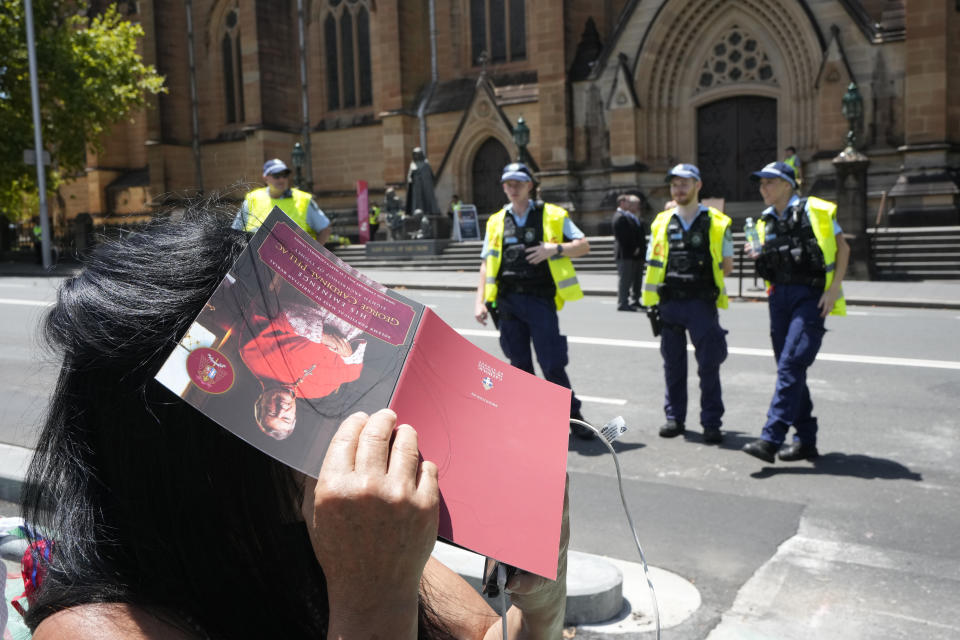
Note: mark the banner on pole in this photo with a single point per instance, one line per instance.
(363, 211)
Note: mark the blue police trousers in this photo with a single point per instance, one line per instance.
(525, 318)
(796, 331)
(701, 319)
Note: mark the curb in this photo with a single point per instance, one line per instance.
(594, 585)
(33, 271)
(16, 270)
(13, 468)
(910, 303)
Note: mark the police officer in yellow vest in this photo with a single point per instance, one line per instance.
(792, 160)
(374, 221)
(690, 251)
(526, 276)
(297, 204)
(803, 257)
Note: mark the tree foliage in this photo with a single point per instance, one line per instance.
(90, 76)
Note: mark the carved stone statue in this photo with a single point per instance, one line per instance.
(394, 215)
(420, 193)
(425, 232)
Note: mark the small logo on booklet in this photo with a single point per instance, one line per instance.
(487, 383)
(210, 370)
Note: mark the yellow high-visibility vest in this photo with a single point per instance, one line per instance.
(561, 267)
(660, 248)
(260, 204)
(822, 214)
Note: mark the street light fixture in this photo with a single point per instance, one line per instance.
(853, 112)
(521, 137)
(298, 155)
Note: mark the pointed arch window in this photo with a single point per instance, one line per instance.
(499, 28)
(232, 68)
(346, 41)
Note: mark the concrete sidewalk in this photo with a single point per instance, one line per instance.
(936, 294)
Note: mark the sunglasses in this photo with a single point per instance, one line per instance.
(281, 174)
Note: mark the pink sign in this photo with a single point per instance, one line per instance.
(363, 211)
(327, 284)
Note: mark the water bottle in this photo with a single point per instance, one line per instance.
(751, 234)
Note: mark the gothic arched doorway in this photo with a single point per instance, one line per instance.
(487, 167)
(735, 137)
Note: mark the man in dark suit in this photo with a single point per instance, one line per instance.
(630, 247)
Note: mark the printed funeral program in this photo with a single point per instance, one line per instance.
(294, 340)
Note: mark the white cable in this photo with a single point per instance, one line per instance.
(610, 432)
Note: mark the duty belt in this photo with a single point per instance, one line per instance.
(528, 289)
(816, 282)
(672, 292)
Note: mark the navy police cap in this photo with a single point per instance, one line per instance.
(777, 170)
(684, 171)
(516, 171)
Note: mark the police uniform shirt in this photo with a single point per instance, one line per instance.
(316, 218)
(726, 249)
(570, 230)
(795, 200)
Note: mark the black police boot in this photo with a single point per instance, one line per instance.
(760, 448)
(580, 431)
(799, 451)
(671, 429)
(712, 436)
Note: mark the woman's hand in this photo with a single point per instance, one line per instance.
(373, 523)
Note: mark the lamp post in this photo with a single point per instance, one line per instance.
(853, 112)
(297, 155)
(45, 235)
(521, 137)
(851, 170)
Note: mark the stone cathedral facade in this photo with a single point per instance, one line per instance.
(614, 93)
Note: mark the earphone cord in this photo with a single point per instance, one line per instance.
(636, 539)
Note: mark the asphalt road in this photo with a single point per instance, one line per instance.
(862, 544)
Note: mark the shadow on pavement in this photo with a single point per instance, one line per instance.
(732, 440)
(842, 464)
(595, 447)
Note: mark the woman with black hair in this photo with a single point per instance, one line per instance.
(161, 524)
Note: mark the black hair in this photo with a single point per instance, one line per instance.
(147, 501)
(791, 149)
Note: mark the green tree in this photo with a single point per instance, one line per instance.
(90, 76)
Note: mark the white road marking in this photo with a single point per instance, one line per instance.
(599, 400)
(478, 333)
(746, 351)
(29, 303)
(895, 362)
(427, 293)
(875, 314)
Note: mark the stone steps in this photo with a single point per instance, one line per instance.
(916, 253)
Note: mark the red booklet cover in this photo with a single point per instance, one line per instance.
(294, 340)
